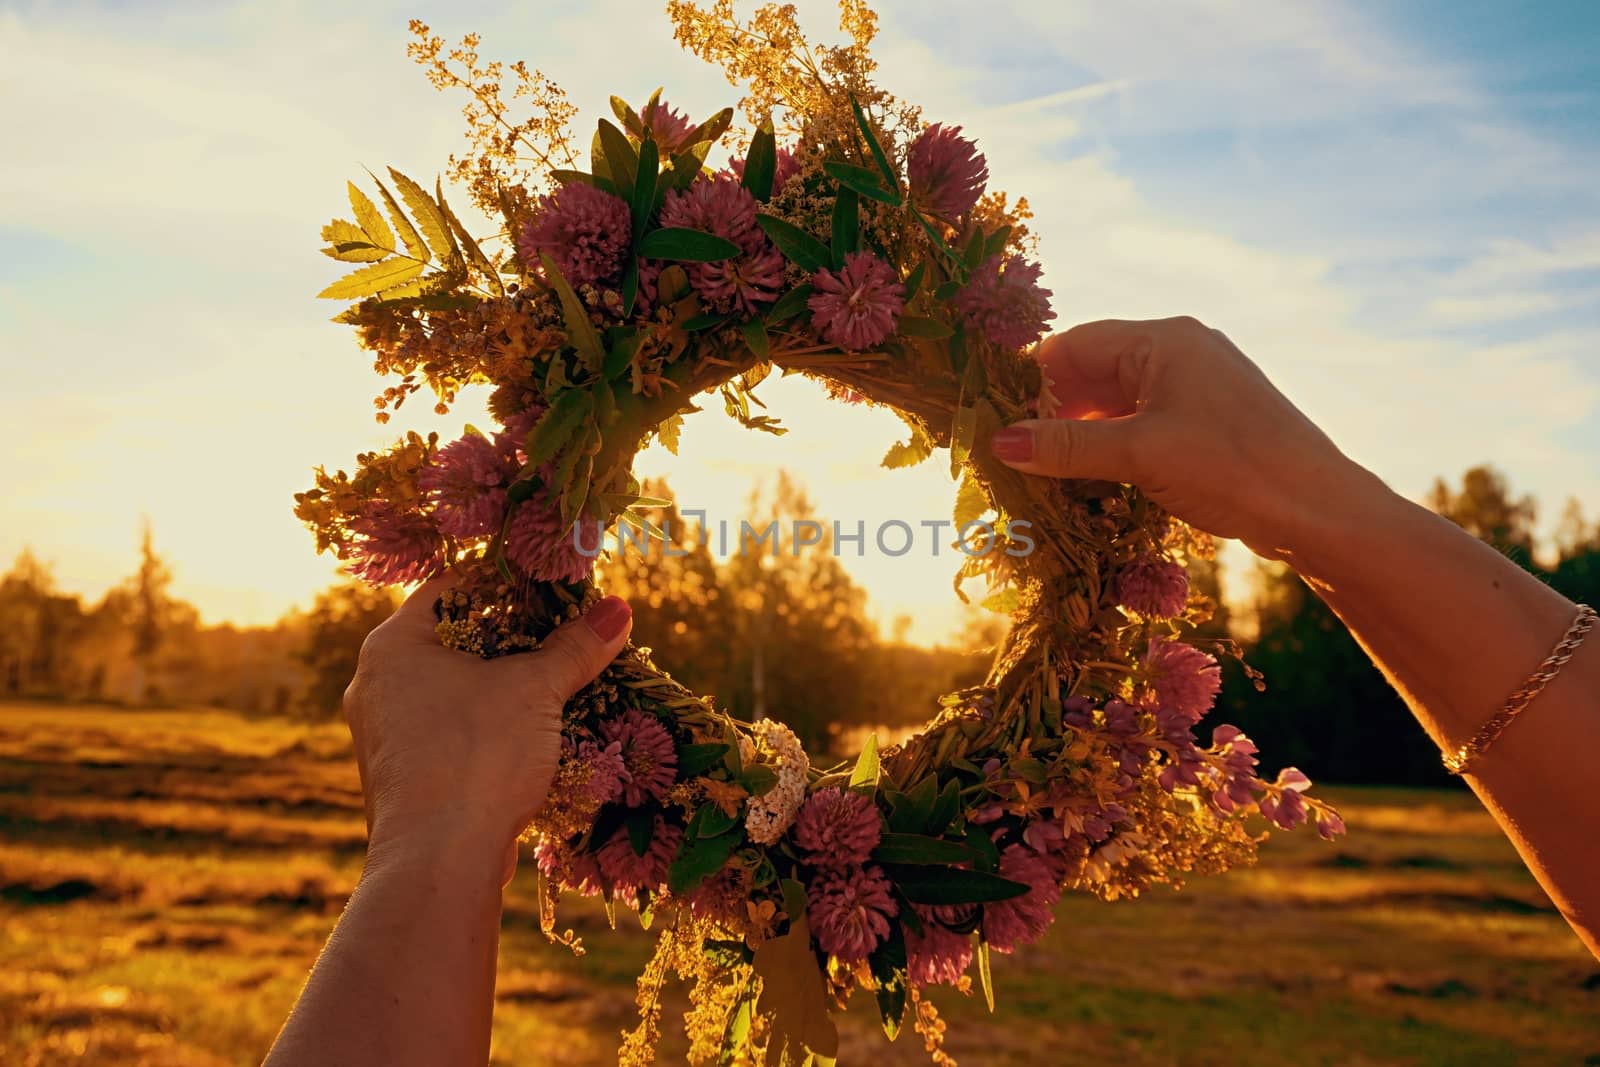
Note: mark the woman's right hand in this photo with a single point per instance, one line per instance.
(1175, 408)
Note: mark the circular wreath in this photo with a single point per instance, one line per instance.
(850, 242)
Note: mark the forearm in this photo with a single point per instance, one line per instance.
(1457, 627)
(408, 975)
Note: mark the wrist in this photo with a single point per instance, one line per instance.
(463, 849)
(1344, 509)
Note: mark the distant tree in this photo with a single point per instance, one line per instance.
(680, 608)
(40, 629)
(1325, 707)
(1485, 508)
(340, 619)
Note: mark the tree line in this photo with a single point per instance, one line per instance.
(784, 634)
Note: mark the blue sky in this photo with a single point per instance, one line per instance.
(1391, 207)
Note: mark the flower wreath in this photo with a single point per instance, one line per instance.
(847, 241)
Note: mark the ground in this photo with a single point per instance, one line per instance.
(167, 877)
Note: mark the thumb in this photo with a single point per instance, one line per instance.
(577, 651)
(1101, 449)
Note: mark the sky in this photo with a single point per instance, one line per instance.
(1392, 208)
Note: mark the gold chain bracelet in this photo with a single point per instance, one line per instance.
(1456, 762)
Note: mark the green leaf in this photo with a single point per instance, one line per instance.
(736, 1035)
(984, 975)
(945, 808)
(996, 242)
(916, 326)
(580, 331)
(920, 850)
(970, 502)
(758, 779)
(624, 113)
(686, 245)
(938, 241)
(704, 321)
(695, 760)
(914, 279)
(802, 249)
(641, 824)
(622, 164)
(947, 291)
(888, 965)
(643, 202)
(866, 772)
(630, 286)
(861, 180)
(932, 884)
(430, 219)
(984, 847)
(761, 163)
(792, 989)
(699, 859)
(711, 821)
(846, 226)
(909, 812)
(554, 428)
(686, 167)
(474, 252)
(620, 356)
(974, 252)
(872, 145)
(408, 233)
(755, 335)
(567, 177)
(373, 279)
(789, 304)
(708, 132)
(369, 218)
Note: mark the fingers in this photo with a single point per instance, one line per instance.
(1102, 449)
(577, 651)
(1097, 369)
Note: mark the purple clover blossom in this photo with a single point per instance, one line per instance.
(1008, 924)
(668, 127)
(946, 171)
(837, 828)
(585, 231)
(857, 307)
(628, 871)
(719, 205)
(1155, 588)
(648, 755)
(394, 547)
(938, 955)
(849, 911)
(548, 549)
(1185, 681)
(465, 483)
(1005, 302)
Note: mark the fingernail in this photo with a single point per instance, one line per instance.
(1012, 444)
(608, 617)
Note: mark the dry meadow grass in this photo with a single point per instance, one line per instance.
(166, 879)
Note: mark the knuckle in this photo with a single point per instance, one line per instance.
(1057, 446)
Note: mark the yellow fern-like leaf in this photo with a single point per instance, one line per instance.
(349, 243)
(408, 233)
(429, 218)
(474, 252)
(374, 278)
(370, 218)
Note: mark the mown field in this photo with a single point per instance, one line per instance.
(166, 879)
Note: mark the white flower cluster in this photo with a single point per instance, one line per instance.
(770, 814)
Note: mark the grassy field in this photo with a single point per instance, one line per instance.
(166, 879)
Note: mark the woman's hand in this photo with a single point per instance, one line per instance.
(456, 754)
(452, 747)
(1173, 407)
(1177, 410)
